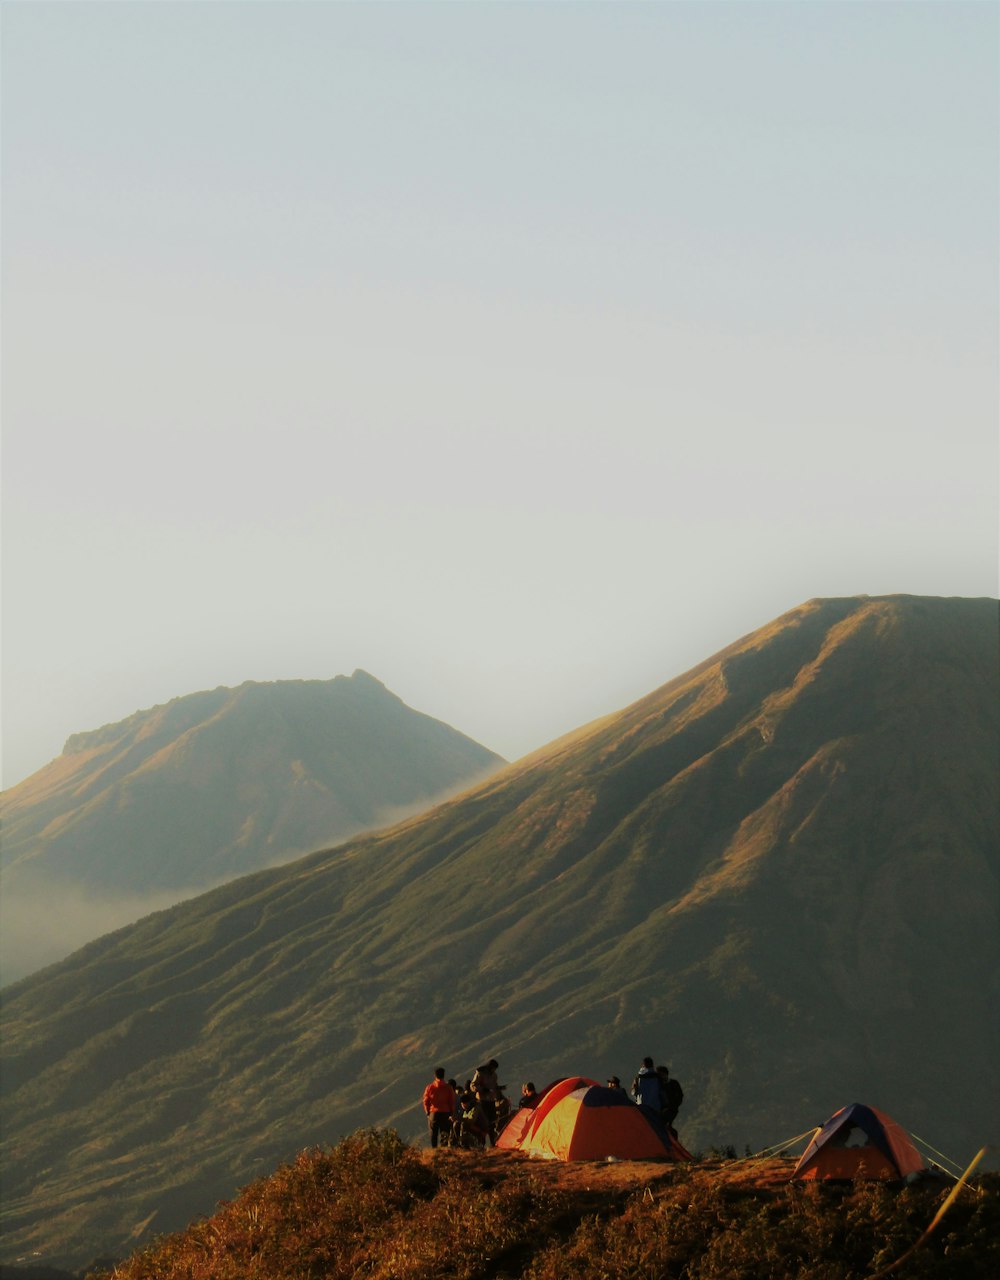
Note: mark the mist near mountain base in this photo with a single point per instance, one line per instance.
(43, 919)
(44, 922)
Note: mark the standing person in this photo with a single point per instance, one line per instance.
(456, 1115)
(646, 1087)
(485, 1083)
(439, 1106)
(663, 1075)
(485, 1078)
(615, 1083)
(673, 1096)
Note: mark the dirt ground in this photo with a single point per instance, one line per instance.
(605, 1179)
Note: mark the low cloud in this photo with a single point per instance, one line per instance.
(45, 923)
(45, 920)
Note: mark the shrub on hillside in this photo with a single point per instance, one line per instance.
(369, 1206)
(322, 1215)
(470, 1230)
(703, 1229)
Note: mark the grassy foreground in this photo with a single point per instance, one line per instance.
(375, 1207)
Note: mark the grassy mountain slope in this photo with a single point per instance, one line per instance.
(216, 784)
(778, 873)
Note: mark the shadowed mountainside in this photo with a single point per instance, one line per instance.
(778, 873)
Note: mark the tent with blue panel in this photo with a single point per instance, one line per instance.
(859, 1142)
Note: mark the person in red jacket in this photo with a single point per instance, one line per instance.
(439, 1105)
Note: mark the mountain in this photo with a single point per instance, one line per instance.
(213, 785)
(777, 873)
(219, 783)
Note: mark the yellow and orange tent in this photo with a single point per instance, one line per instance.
(590, 1122)
(526, 1118)
(859, 1142)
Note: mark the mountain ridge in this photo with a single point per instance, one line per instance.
(81, 741)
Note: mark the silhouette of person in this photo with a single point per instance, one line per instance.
(673, 1096)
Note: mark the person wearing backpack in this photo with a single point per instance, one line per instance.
(646, 1087)
(490, 1093)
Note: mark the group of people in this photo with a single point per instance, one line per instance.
(474, 1115)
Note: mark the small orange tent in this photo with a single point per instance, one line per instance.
(859, 1142)
(595, 1123)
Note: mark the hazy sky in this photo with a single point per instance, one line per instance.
(523, 354)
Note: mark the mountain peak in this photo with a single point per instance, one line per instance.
(364, 680)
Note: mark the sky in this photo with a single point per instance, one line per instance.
(520, 354)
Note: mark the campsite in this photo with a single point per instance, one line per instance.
(584, 1183)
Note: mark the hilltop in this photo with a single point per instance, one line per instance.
(777, 873)
(374, 1207)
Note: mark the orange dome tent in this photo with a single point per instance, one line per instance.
(859, 1142)
(595, 1123)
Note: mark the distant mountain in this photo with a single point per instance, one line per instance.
(777, 873)
(216, 784)
(211, 786)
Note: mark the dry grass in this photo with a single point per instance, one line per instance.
(374, 1207)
